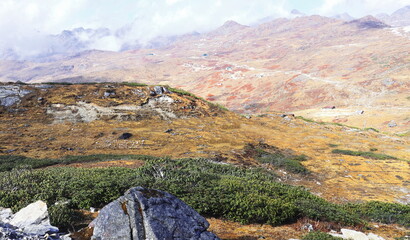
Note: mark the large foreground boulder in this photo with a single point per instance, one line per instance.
(149, 214)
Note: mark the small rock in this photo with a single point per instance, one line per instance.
(109, 93)
(169, 130)
(392, 123)
(307, 226)
(158, 90)
(125, 136)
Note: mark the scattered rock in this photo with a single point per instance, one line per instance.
(66, 148)
(287, 115)
(159, 90)
(10, 150)
(125, 136)
(149, 214)
(392, 123)
(308, 227)
(109, 93)
(359, 112)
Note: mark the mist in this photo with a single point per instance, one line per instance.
(32, 29)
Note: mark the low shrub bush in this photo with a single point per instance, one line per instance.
(381, 212)
(371, 155)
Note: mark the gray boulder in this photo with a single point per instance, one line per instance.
(149, 214)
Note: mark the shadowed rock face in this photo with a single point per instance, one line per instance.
(149, 214)
(369, 22)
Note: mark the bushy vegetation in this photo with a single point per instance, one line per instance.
(186, 93)
(182, 92)
(8, 162)
(382, 212)
(277, 158)
(213, 189)
(74, 83)
(371, 129)
(134, 84)
(63, 216)
(319, 236)
(371, 155)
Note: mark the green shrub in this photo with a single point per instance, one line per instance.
(371, 155)
(322, 210)
(371, 129)
(308, 120)
(288, 162)
(319, 236)
(63, 216)
(186, 93)
(134, 84)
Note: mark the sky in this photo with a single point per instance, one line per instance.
(25, 24)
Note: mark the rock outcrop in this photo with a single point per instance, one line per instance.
(149, 214)
(11, 94)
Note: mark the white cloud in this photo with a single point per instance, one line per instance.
(359, 8)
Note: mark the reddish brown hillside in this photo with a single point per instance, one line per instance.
(284, 65)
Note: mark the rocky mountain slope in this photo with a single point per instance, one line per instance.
(301, 64)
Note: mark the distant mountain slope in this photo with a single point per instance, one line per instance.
(399, 18)
(282, 65)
